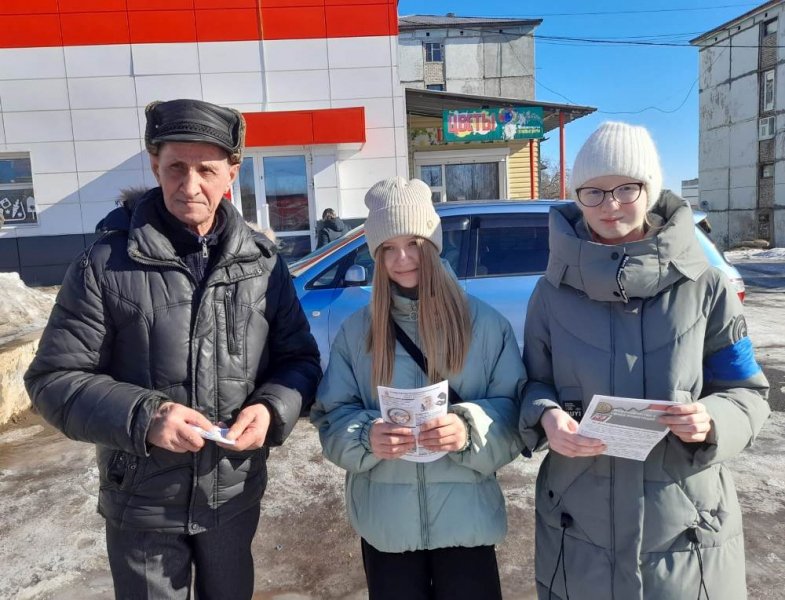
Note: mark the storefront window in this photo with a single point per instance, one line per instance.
(248, 191)
(273, 193)
(476, 181)
(286, 192)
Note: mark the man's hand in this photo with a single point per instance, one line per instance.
(688, 422)
(250, 429)
(444, 434)
(390, 441)
(562, 432)
(171, 429)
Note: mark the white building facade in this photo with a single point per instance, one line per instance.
(317, 82)
(742, 127)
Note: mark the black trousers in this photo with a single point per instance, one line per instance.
(441, 574)
(147, 565)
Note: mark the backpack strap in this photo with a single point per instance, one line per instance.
(410, 347)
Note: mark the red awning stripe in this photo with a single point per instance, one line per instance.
(305, 127)
(47, 23)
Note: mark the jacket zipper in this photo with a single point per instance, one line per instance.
(421, 491)
(424, 533)
(195, 462)
(611, 504)
(231, 335)
(194, 478)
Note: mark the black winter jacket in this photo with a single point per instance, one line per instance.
(126, 334)
(330, 231)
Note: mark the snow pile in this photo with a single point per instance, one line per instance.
(22, 309)
(755, 254)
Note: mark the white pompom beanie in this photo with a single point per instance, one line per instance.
(399, 207)
(619, 149)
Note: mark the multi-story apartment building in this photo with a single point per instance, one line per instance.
(742, 126)
(468, 55)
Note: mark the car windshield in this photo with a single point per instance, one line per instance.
(297, 266)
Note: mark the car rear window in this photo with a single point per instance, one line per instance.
(512, 245)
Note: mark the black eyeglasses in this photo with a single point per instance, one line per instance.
(626, 193)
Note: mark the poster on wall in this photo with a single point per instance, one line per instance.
(493, 124)
(18, 207)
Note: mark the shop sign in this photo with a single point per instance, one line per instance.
(493, 124)
(18, 206)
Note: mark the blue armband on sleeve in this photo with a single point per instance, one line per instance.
(733, 363)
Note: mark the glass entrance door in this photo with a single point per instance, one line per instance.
(274, 192)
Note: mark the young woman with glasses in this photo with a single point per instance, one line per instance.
(630, 307)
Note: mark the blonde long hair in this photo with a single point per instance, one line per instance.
(443, 319)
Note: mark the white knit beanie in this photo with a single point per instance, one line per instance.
(399, 207)
(619, 149)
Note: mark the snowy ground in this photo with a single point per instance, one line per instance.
(755, 254)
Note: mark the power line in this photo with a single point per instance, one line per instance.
(564, 40)
(573, 41)
(538, 81)
(634, 12)
(657, 108)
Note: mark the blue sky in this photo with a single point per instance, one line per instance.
(615, 78)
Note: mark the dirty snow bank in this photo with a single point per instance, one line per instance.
(22, 309)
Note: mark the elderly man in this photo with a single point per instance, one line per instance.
(177, 320)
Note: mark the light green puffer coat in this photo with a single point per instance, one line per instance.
(398, 505)
(649, 319)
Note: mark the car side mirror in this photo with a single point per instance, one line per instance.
(356, 275)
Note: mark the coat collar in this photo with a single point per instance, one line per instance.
(149, 237)
(639, 269)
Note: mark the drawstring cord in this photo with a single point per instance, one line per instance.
(692, 535)
(566, 521)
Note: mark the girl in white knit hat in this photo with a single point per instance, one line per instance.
(428, 529)
(630, 307)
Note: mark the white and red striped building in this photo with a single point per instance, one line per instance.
(317, 81)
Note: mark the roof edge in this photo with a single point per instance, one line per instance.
(728, 24)
(491, 22)
(501, 100)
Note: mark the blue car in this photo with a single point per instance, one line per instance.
(498, 249)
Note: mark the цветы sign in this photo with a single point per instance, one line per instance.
(493, 124)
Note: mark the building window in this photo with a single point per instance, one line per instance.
(432, 175)
(473, 181)
(770, 27)
(458, 175)
(434, 52)
(767, 127)
(17, 199)
(436, 87)
(767, 171)
(768, 90)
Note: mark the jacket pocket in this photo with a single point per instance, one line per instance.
(121, 470)
(231, 322)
